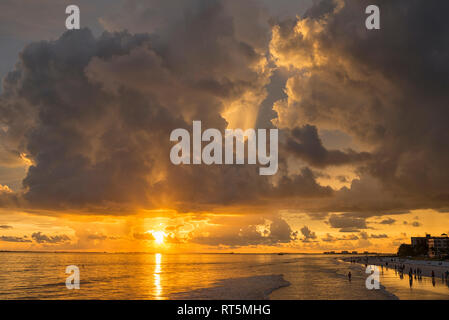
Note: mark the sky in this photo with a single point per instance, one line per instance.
(86, 116)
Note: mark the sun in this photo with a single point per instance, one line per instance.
(159, 236)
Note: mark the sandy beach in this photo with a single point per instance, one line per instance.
(438, 267)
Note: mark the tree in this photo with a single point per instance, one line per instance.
(405, 250)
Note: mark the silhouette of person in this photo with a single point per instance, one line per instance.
(433, 278)
(349, 276)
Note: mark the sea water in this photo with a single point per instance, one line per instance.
(28, 275)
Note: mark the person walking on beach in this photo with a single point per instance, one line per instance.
(433, 278)
(349, 276)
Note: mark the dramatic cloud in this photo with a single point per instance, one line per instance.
(4, 226)
(93, 115)
(359, 82)
(306, 144)
(362, 118)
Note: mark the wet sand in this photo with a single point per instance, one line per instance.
(438, 267)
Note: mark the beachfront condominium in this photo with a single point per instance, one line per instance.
(435, 246)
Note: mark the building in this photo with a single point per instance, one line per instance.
(435, 246)
(438, 245)
(420, 241)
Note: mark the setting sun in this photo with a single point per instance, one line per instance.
(158, 236)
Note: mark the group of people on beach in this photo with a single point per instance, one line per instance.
(400, 269)
(417, 273)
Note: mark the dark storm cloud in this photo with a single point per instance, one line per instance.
(303, 184)
(387, 88)
(4, 226)
(305, 143)
(67, 132)
(95, 140)
(94, 115)
(39, 237)
(24, 21)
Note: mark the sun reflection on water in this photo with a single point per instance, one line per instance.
(157, 276)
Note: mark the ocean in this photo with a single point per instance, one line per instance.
(37, 275)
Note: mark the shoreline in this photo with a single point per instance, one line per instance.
(438, 267)
(358, 266)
